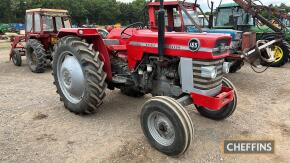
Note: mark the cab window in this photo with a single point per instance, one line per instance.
(47, 24)
(37, 20)
(28, 22)
(67, 23)
(58, 22)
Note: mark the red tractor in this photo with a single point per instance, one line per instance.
(178, 69)
(42, 26)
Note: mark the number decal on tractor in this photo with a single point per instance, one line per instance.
(194, 44)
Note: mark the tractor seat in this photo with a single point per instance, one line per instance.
(114, 45)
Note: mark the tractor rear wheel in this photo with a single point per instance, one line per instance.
(167, 125)
(36, 56)
(79, 75)
(225, 111)
(16, 57)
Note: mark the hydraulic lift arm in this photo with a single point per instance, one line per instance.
(249, 7)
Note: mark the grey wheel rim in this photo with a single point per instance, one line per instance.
(70, 77)
(161, 128)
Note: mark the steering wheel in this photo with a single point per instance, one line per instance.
(138, 25)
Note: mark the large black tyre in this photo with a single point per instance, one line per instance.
(36, 56)
(288, 45)
(236, 66)
(77, 65)
(225, 111)
(16, 57)
(167, 125)
(282, 52)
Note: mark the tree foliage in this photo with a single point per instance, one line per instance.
(99, 12)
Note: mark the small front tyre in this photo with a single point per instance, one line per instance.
(16, 57)
(167, 125)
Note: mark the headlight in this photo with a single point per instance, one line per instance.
(209, 72)
(226, 67)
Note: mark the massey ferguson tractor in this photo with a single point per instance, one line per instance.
(42, 26)
(177, 69)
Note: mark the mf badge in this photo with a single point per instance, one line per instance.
(194, 44)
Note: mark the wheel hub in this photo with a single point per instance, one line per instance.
(278, 53)
(67, 77)
(161, 128)
(71, 77)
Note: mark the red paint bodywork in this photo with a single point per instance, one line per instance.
(134, 53)
(214, 103)
(168, 6)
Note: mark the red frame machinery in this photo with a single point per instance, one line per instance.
(145, 42)
(46, 38)
(154, 6)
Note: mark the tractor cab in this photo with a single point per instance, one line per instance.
(50, 21)
(42, 27)
(232, 16)
(178, 15)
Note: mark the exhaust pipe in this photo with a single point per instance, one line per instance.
(161, 27)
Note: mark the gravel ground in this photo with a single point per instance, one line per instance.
(35, 126)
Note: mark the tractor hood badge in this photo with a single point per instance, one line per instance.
(194, 44)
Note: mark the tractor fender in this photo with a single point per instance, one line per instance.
(92, 36)
(80, 32)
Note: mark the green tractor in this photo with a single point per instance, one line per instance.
(233, 16)
(4, 28)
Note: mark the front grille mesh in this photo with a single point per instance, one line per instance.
(202, 83)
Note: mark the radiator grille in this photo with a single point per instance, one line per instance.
(202, 83)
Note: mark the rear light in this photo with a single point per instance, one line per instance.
(81, 32)
(88, 31)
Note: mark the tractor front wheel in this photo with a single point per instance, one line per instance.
(16, 57)
(79, 75)
(225, 111)
(167, 125)
(36, 56)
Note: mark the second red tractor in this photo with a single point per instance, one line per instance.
(42, 26)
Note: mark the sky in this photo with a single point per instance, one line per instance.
(204, 5)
